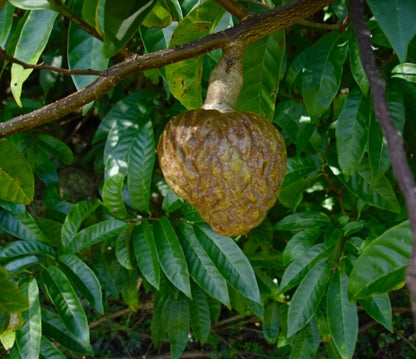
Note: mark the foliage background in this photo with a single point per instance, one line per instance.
(90, 228)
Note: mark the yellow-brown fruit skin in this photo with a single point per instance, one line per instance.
(229, 165)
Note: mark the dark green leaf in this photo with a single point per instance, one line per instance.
(21, 225)
(299, 244)
(55, 147)
(112, 195)
(40, 161)
(24, 248)
(6, 21)
(342, 316)
(382, 264)
(199, 314)
(305, 342)
(12, 299)
(19, 264)
(271, 322)
(146, 253)
(171, 256)
(49, 351)
(302, 220)
(123, 249)
(379, 308)
(356, 67)
(16, 177)
(406, 71)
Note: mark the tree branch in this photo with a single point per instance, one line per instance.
(234, 8)
(255, 27)
(394, 140)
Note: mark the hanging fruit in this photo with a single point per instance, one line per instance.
(228, 164)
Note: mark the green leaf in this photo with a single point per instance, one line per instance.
(307, 297)
(112, 195)
(140, 163)
(21, 225)
(31, 4)
(382, 264)
(28, 337)
(299, 244)
(49, 351)
(357, 69)
(146, 253)
(121, 21)
(74, 219)
(20, 263)
(84, 279)
(262, 67)
(271, 322)
(405, 71)
(201, 267)
(54, 327)
(67, 303)
(6, 21)
(96, 233)
(199, 314)
(321, 77)
(159, 16)
(305, 342)
(41, 163)
(177, 317)
(302, 220)
(24, 248)
(351, 131)
(379, 308)
(397, 22)
(55, 147)
(229, 260)
(294, 119)
(342, 316)
(32, 41)
(171, 256)
(123, 249)
(16, 177)
(12, 300)
(184, 77)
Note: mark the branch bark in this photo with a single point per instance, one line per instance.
(394, 139)
(255, 27)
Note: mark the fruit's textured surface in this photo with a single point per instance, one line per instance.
(229, 165)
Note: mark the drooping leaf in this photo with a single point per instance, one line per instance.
(271, 322)
(121, 21)
(262, 66)
(67, 303)
(201, 267)
(21, 225)
(199, 314)
(321, 77)
(49, 351)
(123, 254)
(141, 160)
(307, 297)
(171, 256)
(351, 131)
(112, 195)
(305, 342)
(342, 316)
(229, 260)
(397, 22)
(83, 279)
(184, 77)
(379, 308)
(146, 253)
(16, 175)
(32, 41)
(28, 338)
(356, 67)
(6, 21)
(96, 233)
(302, 220)
(381, 266)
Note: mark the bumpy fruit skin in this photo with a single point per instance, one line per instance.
(229, 165)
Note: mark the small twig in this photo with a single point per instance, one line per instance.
(394, 139)
(407, 341)
(108, 317)
(234, 8)
(43, 66)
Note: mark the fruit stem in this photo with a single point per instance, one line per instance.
(226, 80)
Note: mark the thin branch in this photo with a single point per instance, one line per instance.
(234, 8)
(394, 139)
(43, 66)
(255, 27)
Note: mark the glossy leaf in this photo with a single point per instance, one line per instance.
(379, 308)
(271, 322)
(307, 297)
(55, 147)
(123, 249)
(19, 264)
(49, 351)
(41, 163)
(171, 256)
(184, 77)
(32, 41)
(405, 71)
(382, 264)
(146, 253)
(96, 233)
(199, 314)
(201, 267)
(6, 21)
(397, 22)
(342, 316)
(24, 248)
(302, 220)
(262, 67)
(83, 279)
(67, 303)
(140, 163)
(74, 219)
(356, 66)
(121, 21)
(21, 225)
(16, 175)
(351, 132)
(299, 244)
(31, 4)
(177, 319)
(229, 260)
(28, 337)
(305, 342)
(112, 195)
(321, 77)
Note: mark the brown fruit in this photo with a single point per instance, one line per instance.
(229, 165)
